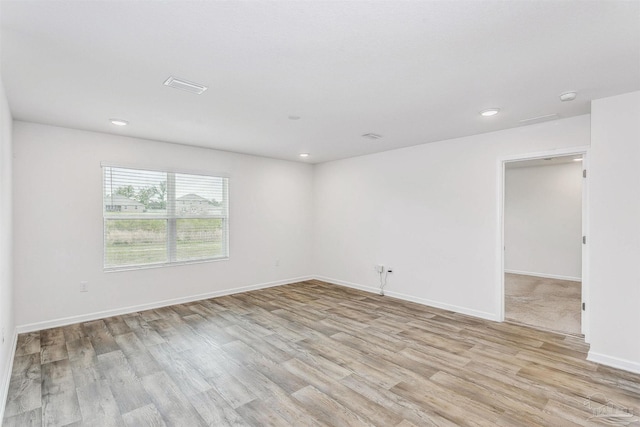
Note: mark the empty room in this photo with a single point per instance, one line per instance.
(319, 213)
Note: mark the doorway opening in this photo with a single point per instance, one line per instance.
(543, 283)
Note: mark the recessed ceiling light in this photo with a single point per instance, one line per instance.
(119, 122)
(185, 85)
(372, 136)
(577, 160)
(294, 117)
(304, 154)
(489, 112)
(568, 96)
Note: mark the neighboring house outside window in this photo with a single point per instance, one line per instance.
(117, 203)
(194, 204)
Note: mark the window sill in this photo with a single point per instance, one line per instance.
(162, 265)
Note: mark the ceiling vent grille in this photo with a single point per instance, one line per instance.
(372, 136)
(538, 119)
(185, 85)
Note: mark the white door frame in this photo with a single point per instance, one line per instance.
(582, 150)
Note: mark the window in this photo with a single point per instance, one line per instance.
(154, 218)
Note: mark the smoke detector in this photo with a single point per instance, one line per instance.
(568, 96)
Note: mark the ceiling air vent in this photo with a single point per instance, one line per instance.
(538, 119)
(185, 85)
(372, 136)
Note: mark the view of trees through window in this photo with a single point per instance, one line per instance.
(153, 217)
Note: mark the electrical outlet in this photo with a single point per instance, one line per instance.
(379, 268)
(84, 286)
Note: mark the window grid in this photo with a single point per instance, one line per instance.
(157, 218)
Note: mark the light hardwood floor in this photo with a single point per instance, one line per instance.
(309, 354)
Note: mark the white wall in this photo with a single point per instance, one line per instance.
(430, 212)
(614, 237)
(58, 224)
(7, 325)
(543, 220)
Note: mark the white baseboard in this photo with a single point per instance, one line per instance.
(348, 284)
(47, 324)
(437, 304)
(4, 391)
(423, 301)
(614, 362)
(545, 275)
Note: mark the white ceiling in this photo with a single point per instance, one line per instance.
(413, 72)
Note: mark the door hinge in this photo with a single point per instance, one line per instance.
(584, 306)
(584, 173)
(584, 240)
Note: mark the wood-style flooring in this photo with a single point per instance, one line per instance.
(543, 303)
(310, 354)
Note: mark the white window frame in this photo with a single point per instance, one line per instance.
(171, 217)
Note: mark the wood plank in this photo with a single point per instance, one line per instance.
(179, 369)
(25, 386)
(355, 402)
(170, 402)
(32, 418)
(143, 363)
(259, 363)
(59, 399)
(293, 413)
(53, 336)
(215, 410)
(232, 390)
(409, 411)
(117, 325)
(101, 339)
(146, 416)
(73, 332)
(53, 353)
(28, 344)
(98, 406)
(257, 413)
(125, 384)
(143, 330)
(448, 404)
(327, 410)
